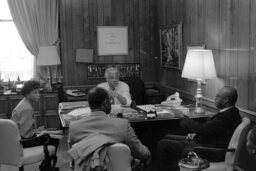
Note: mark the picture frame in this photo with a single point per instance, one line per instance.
(171, 46)
(112, 40)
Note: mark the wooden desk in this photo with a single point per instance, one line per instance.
(149, 131)
(66, 107)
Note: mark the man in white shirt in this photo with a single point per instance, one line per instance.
(118, 90)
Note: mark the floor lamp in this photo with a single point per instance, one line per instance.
(199, 65)
(48, 56)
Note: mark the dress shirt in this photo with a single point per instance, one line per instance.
(122, 89)
(23, 116)
(223, 110)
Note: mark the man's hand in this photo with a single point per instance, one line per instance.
(113, 93)
(40, 129)
(41, 132)
(190, 137)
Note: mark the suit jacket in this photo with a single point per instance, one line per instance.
(117, 129)
(217, 130)
(90, 152)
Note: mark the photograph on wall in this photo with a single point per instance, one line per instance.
(171, 46)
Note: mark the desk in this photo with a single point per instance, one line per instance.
(149, 131)
(66, 107)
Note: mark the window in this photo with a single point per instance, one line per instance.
(15, 60)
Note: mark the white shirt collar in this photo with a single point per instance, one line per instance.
(223, 110)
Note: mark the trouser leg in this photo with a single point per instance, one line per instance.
(168, 154)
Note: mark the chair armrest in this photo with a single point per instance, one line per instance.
(201, 148)
(36, 141)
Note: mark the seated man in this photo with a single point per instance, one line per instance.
(115, 129)
(215, 132)
(119, 91)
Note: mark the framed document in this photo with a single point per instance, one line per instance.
(112, 40)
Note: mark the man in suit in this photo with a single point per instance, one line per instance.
(119, 91)
(215, 132)
(119, 130)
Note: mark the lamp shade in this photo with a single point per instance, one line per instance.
(48, 55)
(199, 64)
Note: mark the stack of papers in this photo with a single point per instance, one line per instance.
(147, 108)
(66, 107)
(80, 112)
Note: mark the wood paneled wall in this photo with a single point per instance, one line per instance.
(78, 29)
(228, 27)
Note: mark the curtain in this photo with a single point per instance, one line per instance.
(37, 22)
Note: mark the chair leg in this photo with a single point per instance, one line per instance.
(21, 168)
(54, 160)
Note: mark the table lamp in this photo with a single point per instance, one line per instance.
(48, 56)
(199, 65)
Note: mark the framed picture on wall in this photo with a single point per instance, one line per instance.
(112, 40)
(171, 46)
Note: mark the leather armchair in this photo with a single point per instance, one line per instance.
(233, 151)
(12, 154)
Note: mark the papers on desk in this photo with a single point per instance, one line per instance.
(164, 113)
(147, 108)
(160, 111)
(117, 108)
(80, 112)
(66, 107)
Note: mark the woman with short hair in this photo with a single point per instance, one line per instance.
(23, 116)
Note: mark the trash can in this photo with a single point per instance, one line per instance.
(193, 163)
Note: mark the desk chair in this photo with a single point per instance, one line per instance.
(137, 90)
(14, 156)
(234, 149)
(120, 157)
(121, 160)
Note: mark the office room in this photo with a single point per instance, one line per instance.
(67, 46)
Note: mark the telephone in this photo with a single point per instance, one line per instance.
(75, 93)
(173, 100)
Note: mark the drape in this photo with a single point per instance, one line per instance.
(37, 22)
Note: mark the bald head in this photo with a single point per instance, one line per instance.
(226, 97)
(98, 98)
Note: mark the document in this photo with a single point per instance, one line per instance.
(85, 111)
(147, 108)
